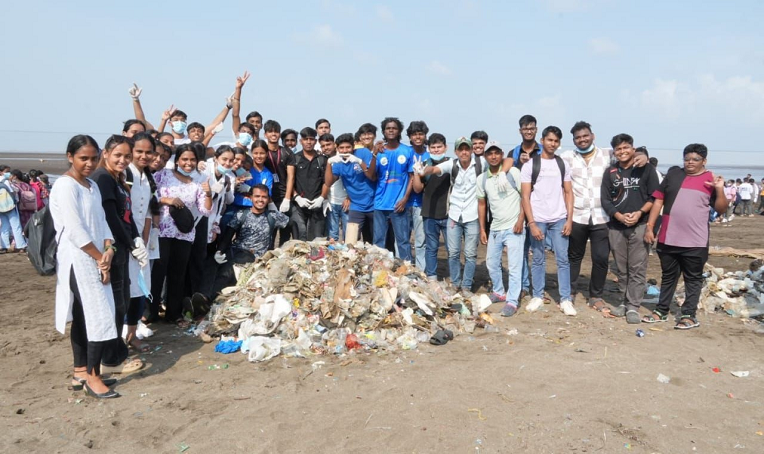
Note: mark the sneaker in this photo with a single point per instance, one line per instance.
(566, 306)
(732, 217)
(508, 310)
(619, 311)
(750, 215)
(724, 221)
(497, 298)
(534, 304)
(633, 318)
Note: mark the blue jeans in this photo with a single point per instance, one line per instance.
(433, 228)
(553, 231)
(471, 233)
(419, 237)
(515, 243)
(401, 228)
(11, 222)
(526, 248)
(335, 219)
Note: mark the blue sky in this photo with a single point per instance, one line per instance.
(668, 72)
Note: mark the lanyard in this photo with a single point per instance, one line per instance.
(278, 159)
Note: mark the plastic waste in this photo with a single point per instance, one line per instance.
(740, 373)
(663, 378)
(263, 348)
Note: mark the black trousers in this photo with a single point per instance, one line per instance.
(135, 310)
(307, 224)
(173, 260)
(86, 353)
(198, 257)
(116, 352)
(688, 261)
(600, 251)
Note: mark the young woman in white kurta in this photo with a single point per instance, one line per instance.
(83, 293)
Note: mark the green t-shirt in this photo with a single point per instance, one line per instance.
(505, 206)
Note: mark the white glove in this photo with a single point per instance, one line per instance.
(335, 159)
(302, 202)
(501, 182)
(135, 91)
(419, 168)
(140, 253)
(220, 257)
(272, 206)
(201, 166)
(229, 100)
(316, 203)
(327, 207)
(284, 208)
(218, 128)
(351, 158)
(243, 188)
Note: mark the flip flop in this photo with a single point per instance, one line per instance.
(139, 346)
(599, 305)
(124, 368)
(441, 337)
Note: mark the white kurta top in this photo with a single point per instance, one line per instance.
(140, 195)
(79, 219)
(219, 200)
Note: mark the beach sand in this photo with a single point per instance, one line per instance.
(561, 384)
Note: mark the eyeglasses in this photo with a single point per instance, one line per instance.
(533, 129)
(689, 159)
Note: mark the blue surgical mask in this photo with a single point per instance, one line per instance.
(588, 150)
(222, 170)
(245, 138)
(437, 158)
(240, 171)
(183, 172)
(179, 127)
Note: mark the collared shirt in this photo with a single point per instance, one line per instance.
(586, 179)
(463, 198)
(309, 175)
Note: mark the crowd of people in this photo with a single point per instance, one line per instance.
(156, 223)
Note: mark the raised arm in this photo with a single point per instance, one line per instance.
(236, 102)
(166, 117)
(135, 93)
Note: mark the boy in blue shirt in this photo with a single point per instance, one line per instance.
(394, 171)
(417, 133)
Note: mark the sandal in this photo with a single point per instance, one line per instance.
(687, 322)
(79, 383)
(124, 368)
(599, 305)
(441, 337)
(655, 317)
(139, 346)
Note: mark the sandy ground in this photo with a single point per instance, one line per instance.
(561, 384)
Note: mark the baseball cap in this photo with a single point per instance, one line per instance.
(461, 141)
(493, 144)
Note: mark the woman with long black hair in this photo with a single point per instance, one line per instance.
(85, 252)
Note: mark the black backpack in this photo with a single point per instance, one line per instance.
(41, 242)
(456, 167)
(537, 169)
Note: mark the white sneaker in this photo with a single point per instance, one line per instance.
(724, 221)
(732, 217)
(566, 306)
(534, 304)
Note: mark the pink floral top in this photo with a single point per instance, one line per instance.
(192, 196)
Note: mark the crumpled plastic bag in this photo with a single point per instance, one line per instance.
(262, 348)
(267, 317)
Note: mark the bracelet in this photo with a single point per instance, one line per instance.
(532, 222)
(113, 248)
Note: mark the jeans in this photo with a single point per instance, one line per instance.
(419, 237)
(552, 230)
(600, 249)
(11, 222)
(401, 228)
(526, 268)
(515, 243)
(630, 253)
(433, 229)
(471, 233)
(335, 219)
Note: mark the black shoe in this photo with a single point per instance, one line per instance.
(110, 394)
(3, 251)
(200, 304)
(106, 381)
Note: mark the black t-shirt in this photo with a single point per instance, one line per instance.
(117, 207)
(435, 195)
(308, 175)
(277, 162)
(627, 190)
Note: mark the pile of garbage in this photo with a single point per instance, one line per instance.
(739, 294)
(321, 297)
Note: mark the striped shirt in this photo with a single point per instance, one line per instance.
(586, 179)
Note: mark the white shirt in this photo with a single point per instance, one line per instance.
(140, 196)
(337, 193)
(745, 190)
(463, 197)
(219, 200)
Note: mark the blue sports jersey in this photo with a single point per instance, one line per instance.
(416, 198)
(393, 168)
(359, 188)
(265, 177)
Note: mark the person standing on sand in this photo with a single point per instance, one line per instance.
(417, 134)
(685, 196)
(85, 252)
(746, 195)
(10, 221)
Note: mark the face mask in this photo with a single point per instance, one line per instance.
(588, 150)
(222, 170)
(437, 158)
(183, 172)
(240, 171)
(245, 138)
(3, 177)
(179, 127)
